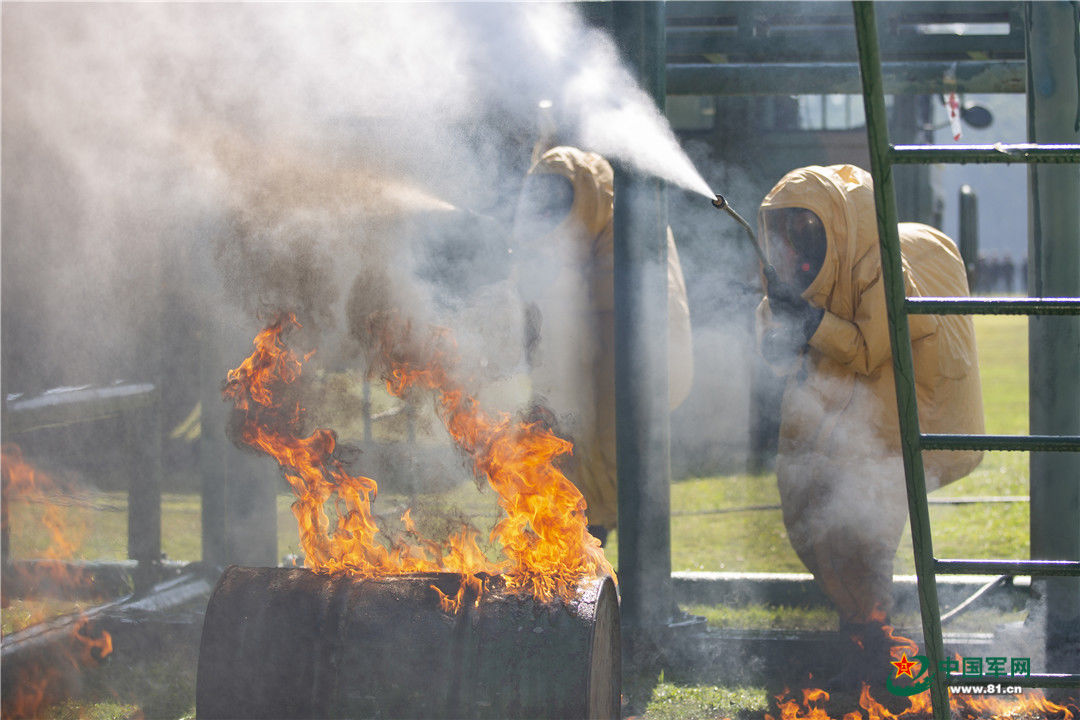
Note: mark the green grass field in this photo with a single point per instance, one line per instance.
(724, 523)
(718, 523)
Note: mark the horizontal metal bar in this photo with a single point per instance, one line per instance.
(719, 8)
(164, 596)
(992, 306)
(1017, 443)
(996, 153)
(972, 76)
(1036, 568)
(821, 11)
(817, 43)
(62, 406)
(1034, 680)
(975, 500)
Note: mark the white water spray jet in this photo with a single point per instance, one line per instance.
(655, 149)
(107, 112)
(617, 118)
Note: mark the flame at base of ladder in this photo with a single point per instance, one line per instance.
(817, 704)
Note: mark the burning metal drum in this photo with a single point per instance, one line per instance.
(288, 643)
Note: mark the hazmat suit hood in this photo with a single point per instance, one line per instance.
(842, 196)
(592, 180)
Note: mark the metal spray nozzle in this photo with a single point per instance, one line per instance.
(721, 204)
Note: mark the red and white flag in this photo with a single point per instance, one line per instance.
(952, 102)
(953, 106)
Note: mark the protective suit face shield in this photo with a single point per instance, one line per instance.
(797, 244)
(545, 201)
(544, 204)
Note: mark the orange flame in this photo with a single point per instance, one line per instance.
(806, 708)
(1032, 704)
(811, 706)
(32, 692)
(37, 685)
(24, 482)
(543, 535)
(967, 707)
(89, 644)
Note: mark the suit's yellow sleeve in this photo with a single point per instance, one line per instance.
(860, 344)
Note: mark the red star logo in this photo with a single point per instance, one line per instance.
(903, 666)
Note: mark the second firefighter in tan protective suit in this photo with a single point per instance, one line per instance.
(825, 329)
(564, 246)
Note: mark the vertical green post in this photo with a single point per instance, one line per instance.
(969, 234)
(914, 191)
(213, 446)
(641, 398)
(900, 339)
(251, 480)
(1054, 342)
(251, 497)
(239, 488)
(369, 434)
(144, 493)
(5, 514)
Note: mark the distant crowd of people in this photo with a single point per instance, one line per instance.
(999, 274)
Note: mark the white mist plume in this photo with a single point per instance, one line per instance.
(619, 119)
(598, 100)
(175, 124)
(158, 157)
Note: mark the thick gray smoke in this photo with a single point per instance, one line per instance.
(290, 147)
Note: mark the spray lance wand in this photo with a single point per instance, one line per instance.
(771, 278)
(777, 343)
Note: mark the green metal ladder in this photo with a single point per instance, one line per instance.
(882, 157)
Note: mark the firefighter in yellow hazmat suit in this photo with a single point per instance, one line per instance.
(564, 246)
(823, 326)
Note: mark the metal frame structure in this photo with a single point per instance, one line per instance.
(642, 429)
(137, 406)
(883, 157)
(760, 48)
(770, 48)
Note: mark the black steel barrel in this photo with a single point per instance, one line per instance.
(288, 643)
